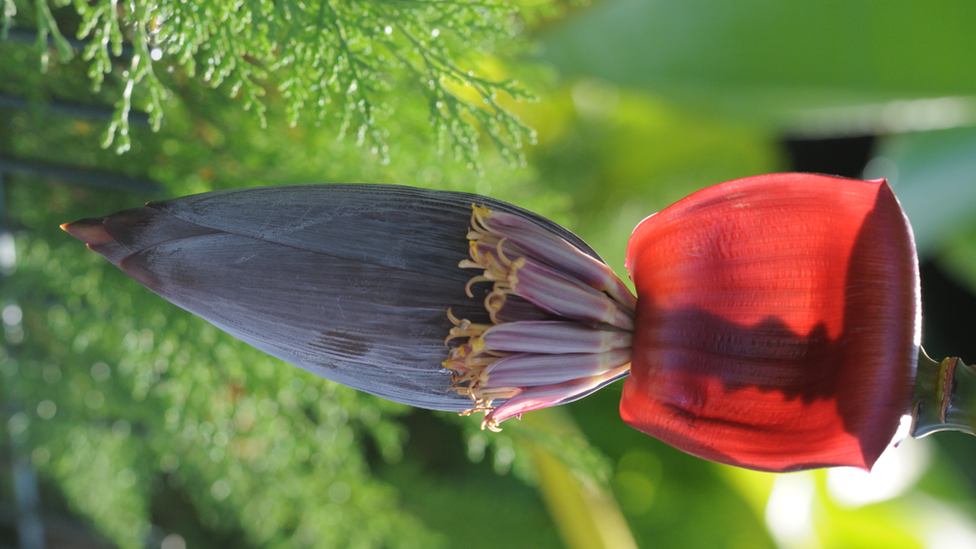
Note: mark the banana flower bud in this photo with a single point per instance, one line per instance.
(361, 284)
(776, 324)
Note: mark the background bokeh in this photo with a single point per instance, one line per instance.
(129, 423)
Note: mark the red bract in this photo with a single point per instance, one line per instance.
(778, 322)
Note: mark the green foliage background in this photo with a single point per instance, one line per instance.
(144, 421)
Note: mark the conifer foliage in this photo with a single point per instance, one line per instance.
(343, 63)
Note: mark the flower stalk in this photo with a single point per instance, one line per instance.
(945, 397)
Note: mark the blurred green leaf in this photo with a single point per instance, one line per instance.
(669, 498)
(934, 176)
(767, 60)
(548, 450)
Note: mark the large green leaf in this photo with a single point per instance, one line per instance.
(773, 59)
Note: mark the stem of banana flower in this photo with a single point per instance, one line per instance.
(945, 397)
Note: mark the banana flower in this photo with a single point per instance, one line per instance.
(776, 324)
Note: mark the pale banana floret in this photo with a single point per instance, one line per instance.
(582, 341)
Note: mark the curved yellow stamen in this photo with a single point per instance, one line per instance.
(478, 215)
(467, 287)
(501, 253)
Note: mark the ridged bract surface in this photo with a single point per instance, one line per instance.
(777, 322)
(351, 282)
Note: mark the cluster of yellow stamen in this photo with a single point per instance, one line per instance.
(498, 267)
(468, 361)
(560, 320)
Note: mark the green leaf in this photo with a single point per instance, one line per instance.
(775, 60)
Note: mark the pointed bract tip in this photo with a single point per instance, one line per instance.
(91, 231)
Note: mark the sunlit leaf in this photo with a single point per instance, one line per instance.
(771, 60)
